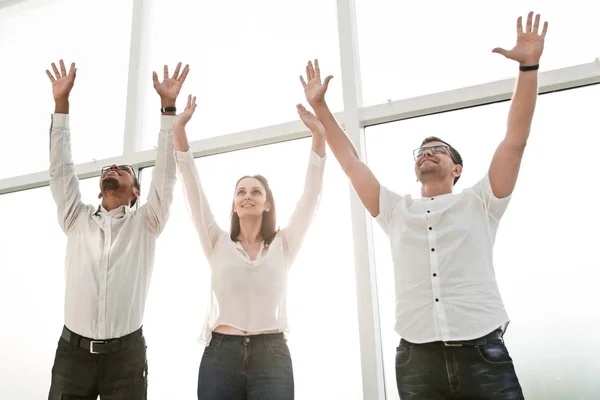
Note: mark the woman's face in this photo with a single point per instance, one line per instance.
(250, 198)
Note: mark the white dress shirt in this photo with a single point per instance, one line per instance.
(245, 294)
(442, 251)
(110, 255)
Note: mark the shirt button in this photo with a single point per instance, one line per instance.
(428, 211)
(432, 249)
(434, 274)
(430, 228)
(437, 299)
(432, 198)
(247, 340)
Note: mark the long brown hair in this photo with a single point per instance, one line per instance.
(268, 229)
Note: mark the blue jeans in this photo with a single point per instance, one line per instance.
(477, 370)
(254, 367)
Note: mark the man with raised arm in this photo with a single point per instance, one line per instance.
(449, 312)
(110, 256)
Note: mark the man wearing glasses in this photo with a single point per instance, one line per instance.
(449, 312)
(110, 256)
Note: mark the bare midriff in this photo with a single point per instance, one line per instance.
(229, 330)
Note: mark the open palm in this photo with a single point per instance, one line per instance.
(530, 44)
(310, 120)
(314, 89)
(62, 82)
(185, 117)
(169, 88)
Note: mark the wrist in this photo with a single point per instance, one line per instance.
(167, 102)
(530, 62)
(61, 106)
(318, 104)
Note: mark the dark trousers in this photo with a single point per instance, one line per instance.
(255, 367)
(119, 372)
(480, 369)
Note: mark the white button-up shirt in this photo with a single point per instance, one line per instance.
(442, 251)
(110, 255)
(245, 294)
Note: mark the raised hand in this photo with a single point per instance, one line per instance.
(314, 90)
(530, 44)
(62, 82)
(184, 117)
(169, 88)
(310, 120)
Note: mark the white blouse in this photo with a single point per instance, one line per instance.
(245, 294)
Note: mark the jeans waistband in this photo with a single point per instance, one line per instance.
(482, 341)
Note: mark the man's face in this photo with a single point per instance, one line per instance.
(433, 161)
(116, 177)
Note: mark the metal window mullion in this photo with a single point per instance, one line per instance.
(367, 306)
(140, 19)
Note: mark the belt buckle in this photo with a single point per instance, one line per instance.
(92, 342)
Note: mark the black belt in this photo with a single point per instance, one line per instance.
(101, 346)
(482, 341)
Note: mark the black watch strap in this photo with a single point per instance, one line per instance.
(529, 67)
(168, 109)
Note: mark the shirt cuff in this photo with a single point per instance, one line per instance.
(166, 122)
(317, 160)
(185, 156)
(60, 120)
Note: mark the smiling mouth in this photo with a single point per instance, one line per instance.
(247, 205)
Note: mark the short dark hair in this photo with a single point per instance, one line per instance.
(136, 183)
(454, 154)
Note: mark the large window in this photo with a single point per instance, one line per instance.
(32, 289)
(544, 260)
(411, 48)
(35, 33)
(245, 59)
(322, 302)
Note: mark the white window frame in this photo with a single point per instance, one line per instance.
(355, 118)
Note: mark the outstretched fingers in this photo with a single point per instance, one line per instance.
(536, 24)
(529, 21)
(177, 69)
(56, 73)
(310, 71)
(302, 81)
(544, 30)
(519, 25)
(184, 73)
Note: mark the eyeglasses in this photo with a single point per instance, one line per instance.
(438, 149)
(128, 168)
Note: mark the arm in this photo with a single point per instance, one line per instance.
(506, 162)
(365, 184)
(64, 184)
(307, 206)
(196, 201)
(160, 197)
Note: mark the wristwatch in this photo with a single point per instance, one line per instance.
(168, 109)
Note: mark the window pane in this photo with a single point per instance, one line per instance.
(77, 32)
(414, 48)
(32, 289)
(245, 59)
(322, 298)
(542, 260)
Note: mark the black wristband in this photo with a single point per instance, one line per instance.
(168, 109)
(525, 68)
